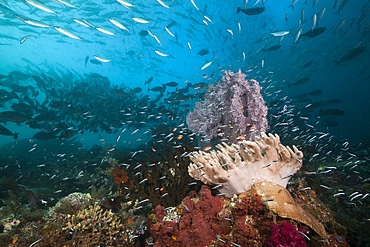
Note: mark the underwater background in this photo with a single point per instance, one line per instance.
(94, 98)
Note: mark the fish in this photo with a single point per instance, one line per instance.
(363, 16)
(67, 33)
(351, 54)
(25, 38)
(272, 48)
(341, 24)
(157, 89)
(299, 82)
(331, 112)
(36, 23)
(336, 3)
(67, 134)
(231, 32)
(302, 14)
(320, 15)
(103, 30)
(161, 53)
(208, 19)
(140, 20)
(125, 3)
(308, 64)
(315, 93)
(95, 61)
(59, 104)
(102, 59)
(163, 4)
(251, 11)
(67, 3)
(169, 32)
(88, 23)
(81, 22)
(192, 1)
(143, 33)
(149, 80)
(189, 46)
(206, 65)
(298, 35)
(314, 3)
(43, 136)
(86, 60)
(203, 52)
(344, 3)
(15, 117)
(200, 85)
(4, 131)
(292, 5)
(171, 84)
(40, 5)
(118, 24)
(280, 33)
(172, 23)
(314, 32)
(314, 18)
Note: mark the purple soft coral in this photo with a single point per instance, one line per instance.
(232, 108)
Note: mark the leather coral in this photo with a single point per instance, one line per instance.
(237, 167)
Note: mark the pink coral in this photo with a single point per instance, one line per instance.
(286, 235)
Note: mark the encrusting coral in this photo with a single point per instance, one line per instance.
(236, 168)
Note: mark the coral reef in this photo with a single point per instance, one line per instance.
(73, 203)
(232, 109)
(209, 221)
(88, 225)
(94, 226)
(15, 209)
(243, 220)
(8, 224)
(236, 168)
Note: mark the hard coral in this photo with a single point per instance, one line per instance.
(237, 168)
(94, 226)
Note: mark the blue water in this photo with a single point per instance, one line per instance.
(51, 51)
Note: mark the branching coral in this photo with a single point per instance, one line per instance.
(95, 226)
(236, 168)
